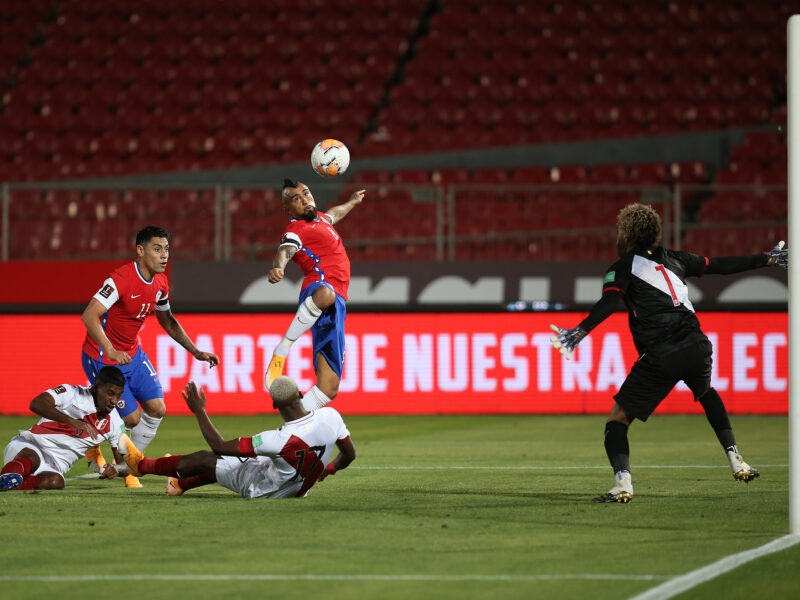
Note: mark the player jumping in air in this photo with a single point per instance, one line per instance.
(113, 319)
(73, 419)
(278, 463)
(312, 242)
(666, 332)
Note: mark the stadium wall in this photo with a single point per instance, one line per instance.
(424, 363)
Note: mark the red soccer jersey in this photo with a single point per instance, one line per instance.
(129, 298)
(321, 254)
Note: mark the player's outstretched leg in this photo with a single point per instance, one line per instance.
(307, 314)
(717, 416)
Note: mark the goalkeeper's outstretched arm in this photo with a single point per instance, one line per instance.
(726, 265)
(566, 340)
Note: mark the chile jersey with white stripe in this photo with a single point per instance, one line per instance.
(320, 252)
(660, 314)
(128, 298)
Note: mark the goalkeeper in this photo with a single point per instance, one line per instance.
(666, 332)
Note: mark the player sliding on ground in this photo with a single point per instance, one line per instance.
(666, 332)
(312, 242)
(279, 463)
(73, 418)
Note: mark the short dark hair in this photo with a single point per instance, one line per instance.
(288, 183)
(110, 375)
(150, 232)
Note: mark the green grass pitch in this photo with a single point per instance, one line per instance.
(433, 507)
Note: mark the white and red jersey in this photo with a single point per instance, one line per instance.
(59, 441)
(129, 298)
(299, 450)
(321, 254)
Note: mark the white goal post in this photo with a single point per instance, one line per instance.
(793, 148)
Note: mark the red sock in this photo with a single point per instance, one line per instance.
(31, 482)
(21, 465)
(187, 483)
(160, 466)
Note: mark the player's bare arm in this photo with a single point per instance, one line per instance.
(337, 213)
(347, 454)
(170, 324)
(196, 401)
(44, 406)
(92, 317)
(282, 258)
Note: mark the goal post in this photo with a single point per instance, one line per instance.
(793, 149)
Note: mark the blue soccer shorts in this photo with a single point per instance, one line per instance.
(141, 380)
(327, 333)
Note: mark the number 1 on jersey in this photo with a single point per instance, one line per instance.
(661, 269)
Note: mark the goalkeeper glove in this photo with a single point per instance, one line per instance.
(778, 257)
(567, 339)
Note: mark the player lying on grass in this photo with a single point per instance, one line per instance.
(671, 345)
(74, 418)
(278, 463)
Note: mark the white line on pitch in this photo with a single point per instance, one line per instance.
(502, 468)
(680, 584)
(541, 468)
(352, 577)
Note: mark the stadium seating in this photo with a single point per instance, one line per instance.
(145, 86)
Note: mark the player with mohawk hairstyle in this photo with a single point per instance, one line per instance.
(312, 242)
(671, 345)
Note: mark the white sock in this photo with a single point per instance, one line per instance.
(314, 399)
(620, 475)
(145, 431)
(306, 316)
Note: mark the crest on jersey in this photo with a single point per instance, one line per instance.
(101, 424)
(121, 404)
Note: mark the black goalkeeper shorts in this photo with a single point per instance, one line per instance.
(653, 377)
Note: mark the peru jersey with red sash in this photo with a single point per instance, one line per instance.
(60, 441)
(128, 298)
(320, 252)
(299, 450)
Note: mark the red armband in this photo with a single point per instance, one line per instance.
(246, 446)
(330, 468)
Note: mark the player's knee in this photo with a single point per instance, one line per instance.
(132, 420)
(323, 297)
(156, 410)
(51, 481)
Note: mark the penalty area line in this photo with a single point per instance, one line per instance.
(345, 577)
(687, 581)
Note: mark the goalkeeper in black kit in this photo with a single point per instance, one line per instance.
(666, 332)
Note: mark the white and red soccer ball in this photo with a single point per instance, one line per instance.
(330, 158)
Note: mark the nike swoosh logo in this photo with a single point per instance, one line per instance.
(301, 321)
(136, 296)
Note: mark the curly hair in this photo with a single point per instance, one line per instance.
(640, 225)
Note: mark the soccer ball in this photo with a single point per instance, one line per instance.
(330, 158)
